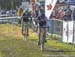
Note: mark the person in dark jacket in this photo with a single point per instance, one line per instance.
(68, 12)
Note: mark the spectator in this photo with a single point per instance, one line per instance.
(68, 13)
(19, 14)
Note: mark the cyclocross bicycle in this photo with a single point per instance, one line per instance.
(25, 30)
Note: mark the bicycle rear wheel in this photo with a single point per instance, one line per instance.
(25, 30)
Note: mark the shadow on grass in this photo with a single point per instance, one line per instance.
(35, 40)
(58, 51)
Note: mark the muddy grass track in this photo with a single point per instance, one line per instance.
(12, 45)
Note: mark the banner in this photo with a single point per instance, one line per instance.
(49, 6)
(74, 32)
(68, 32)
(25, 5)
(65, 31)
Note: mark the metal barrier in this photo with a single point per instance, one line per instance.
(12, 20)
(55, 28)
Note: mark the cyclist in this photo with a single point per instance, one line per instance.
(42, 30)
(25, 23)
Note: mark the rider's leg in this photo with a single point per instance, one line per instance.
(39, 34)
(22, 28)
(27, 30)
(42, 39)
(44, 35)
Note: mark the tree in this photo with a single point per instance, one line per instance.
(7, 4)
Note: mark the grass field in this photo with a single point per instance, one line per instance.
(12, 45)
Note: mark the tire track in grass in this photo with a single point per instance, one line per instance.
(48, 48)
(49, 51)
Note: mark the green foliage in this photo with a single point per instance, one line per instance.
(9, 4)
